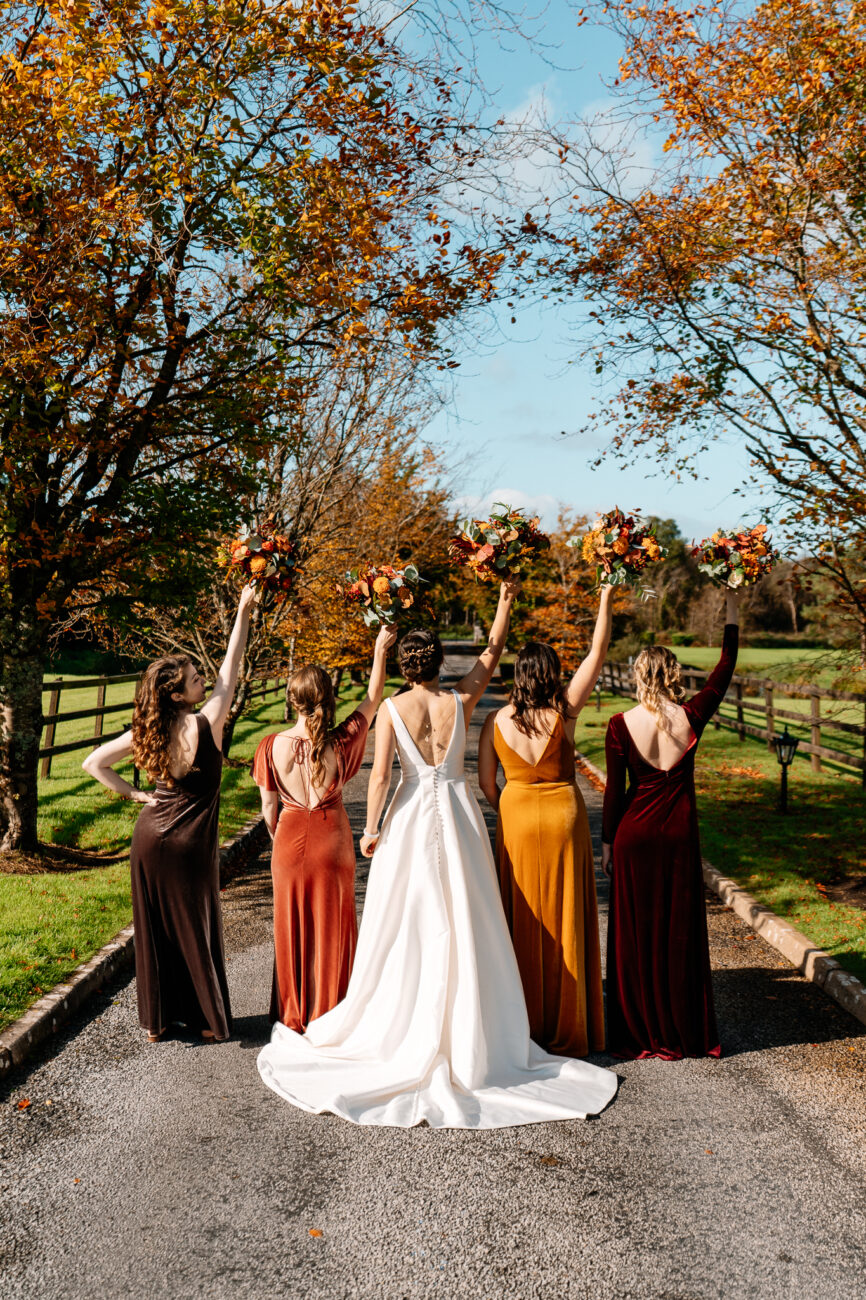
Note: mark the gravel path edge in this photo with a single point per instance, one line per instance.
(57, 1007)
(813, 963)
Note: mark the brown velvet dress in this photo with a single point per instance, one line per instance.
(546, 877)
(179, 958)
(313, 870)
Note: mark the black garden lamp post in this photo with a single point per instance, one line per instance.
(786, 748)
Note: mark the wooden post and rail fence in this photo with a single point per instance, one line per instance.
(755, 712)
(100, 711)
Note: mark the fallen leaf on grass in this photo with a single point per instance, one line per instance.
(24, 1103)
(316, 1232)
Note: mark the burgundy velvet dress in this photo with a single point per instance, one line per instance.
(180, 970)
(659, 988)
(313, 871)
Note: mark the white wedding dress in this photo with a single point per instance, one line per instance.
(433, 1025)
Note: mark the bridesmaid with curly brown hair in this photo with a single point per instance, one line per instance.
(659, 987)
(301, 773)
(179, 958)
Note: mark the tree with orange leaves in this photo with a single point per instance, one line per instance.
(193, 198)
(560, 592)
(728, 292)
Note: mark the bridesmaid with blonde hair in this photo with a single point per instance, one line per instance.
(543, 843)
(301, 773)
(659, 987)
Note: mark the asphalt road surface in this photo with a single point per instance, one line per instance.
(171, 1171)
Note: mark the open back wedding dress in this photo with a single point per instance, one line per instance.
(433, 1026)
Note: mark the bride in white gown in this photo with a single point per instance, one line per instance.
(433, 1026)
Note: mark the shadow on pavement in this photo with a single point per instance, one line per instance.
(760, 1007)
(252, 1032)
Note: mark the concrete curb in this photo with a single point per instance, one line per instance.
(56, 1008)
(815, 964)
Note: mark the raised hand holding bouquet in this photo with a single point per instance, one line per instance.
(497, 548)
(736, 559)
(264, 558)
(381, 591)
(621, 546)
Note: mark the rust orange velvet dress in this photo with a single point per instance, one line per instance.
(313, 871)
(545, 863)
(659, 987)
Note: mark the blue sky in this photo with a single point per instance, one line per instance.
(522, 388)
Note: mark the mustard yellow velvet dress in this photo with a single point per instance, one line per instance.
(545, 863)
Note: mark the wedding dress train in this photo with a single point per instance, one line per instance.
(433, 1026)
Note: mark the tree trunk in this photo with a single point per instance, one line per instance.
(20, 733)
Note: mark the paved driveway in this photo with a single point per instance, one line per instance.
(169, 1171)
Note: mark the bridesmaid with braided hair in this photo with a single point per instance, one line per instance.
(179, 959)
(300, 774)
(659, 987)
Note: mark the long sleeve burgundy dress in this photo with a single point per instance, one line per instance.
(313, 870)
(659, 989)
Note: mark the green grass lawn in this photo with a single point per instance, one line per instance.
(53, 920)
(817, 666)
(785, 861)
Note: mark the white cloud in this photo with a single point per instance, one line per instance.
(534, 503)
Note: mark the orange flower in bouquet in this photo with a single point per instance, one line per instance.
(499, 547)
(381, 592)
(266, 559)
(621, 547)
(736, 559)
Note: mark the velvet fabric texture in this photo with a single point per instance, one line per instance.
(545, 864)
(179, 959)
(313, 871)
(659, 988)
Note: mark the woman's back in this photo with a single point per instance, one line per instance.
(291, 760)
(430, 718)
(544, 758)
(661, 739)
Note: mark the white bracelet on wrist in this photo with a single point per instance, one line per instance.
(371, 835)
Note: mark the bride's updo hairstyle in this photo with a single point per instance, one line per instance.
(657, 676)
(153, 715)
(311, 692)
(537, 685)
(420, 656)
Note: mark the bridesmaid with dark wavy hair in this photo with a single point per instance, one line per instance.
(179, 959)
(543, 843)
(659, 986)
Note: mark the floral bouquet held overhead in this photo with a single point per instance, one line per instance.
(621, 547)
(497, 548)
(736, 559)
(266, 559)
(382, 591)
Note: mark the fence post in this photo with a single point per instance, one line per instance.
(53, 707)
(738, 691)
(816, 731)
(768, 708)
(100, 704)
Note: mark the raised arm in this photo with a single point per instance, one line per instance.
(219, 702)
(703, 705)
(471, 687)
(376, 685)
(380, 780)
(488, 762)
(581, 685)
(100, 765)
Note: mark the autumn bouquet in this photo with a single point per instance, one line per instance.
(266, 559)
(381, 592)
(736, 559)
(621, 547)
(499, 547)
